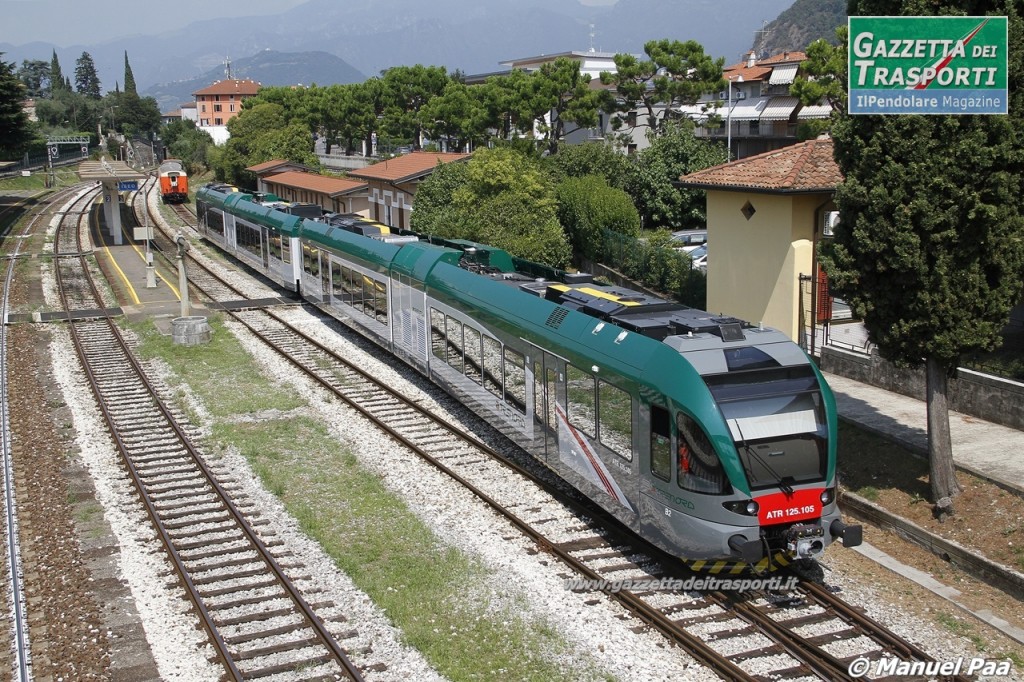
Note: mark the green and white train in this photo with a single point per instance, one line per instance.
(710, 437)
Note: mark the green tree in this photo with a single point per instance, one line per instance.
(503, 199)
(436, 213)
(407, 89)
(87, 82)
(186, 142)
(261, 132)
(35, 75)
(930, 248)
(674, 73)
(458, 118)
(652, 179)
(15, 128)
(558, 94)
(579, 160)
(587, 207)
(129, 78)
(57, 81)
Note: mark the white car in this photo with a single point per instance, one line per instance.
(688, 240)
(699, 257)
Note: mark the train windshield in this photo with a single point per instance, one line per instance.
(777, 420)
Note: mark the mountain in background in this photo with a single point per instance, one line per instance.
(802, 24)
(373, 35)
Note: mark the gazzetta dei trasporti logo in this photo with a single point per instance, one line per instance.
(927, 65)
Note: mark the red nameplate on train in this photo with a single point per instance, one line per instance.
(782, 508)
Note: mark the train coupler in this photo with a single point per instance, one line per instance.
(805, 540)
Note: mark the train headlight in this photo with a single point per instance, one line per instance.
(828, 496)
(745, 507)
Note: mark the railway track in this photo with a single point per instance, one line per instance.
(806, 633)
(258, 620)
(20, 650)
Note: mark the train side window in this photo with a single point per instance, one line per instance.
(353, 287)
(580, 400)
(454, 330)
(474, 360)
(337, 280)
(492, 365)
(661, 443)
(700, 470)
(367, 307)
(615, 419)
(515, 379)
(437, 338)
(382, 302)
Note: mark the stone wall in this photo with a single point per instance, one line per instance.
(980, 395)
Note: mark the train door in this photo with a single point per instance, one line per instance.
(545, 390)
(409, 319)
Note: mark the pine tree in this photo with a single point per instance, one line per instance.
(87, 82)
(15, 129)
(129, 79)
(930, 248)
(57, 81)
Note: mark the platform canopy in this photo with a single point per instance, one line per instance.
(108, 171)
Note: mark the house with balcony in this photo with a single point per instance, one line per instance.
(756, 112)
(219, 103)
(592, 63)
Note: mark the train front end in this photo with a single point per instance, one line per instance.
(756, 457)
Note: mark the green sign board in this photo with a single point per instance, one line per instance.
(927, 65)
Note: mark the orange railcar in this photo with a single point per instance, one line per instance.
(173, 182)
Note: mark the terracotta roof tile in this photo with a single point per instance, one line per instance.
(749, 73)
(316, 183)
(267, 165)
(406, 167)
(804, 167)
(231, 87)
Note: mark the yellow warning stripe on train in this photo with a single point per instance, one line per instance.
(728, 566)
(593, 292)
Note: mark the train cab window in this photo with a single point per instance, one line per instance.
(474, 359)
(580, 397)
(700, 470)
(661, 443)
(437, 338)
(453, 329)
(615, 419)
(515, 379)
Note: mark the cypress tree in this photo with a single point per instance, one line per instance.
(930, 248)
(57, 81)
(129, 79)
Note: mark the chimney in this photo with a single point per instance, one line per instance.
(751, 58)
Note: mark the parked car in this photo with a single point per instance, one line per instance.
(688, 240)
(699, 257)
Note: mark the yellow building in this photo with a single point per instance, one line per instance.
(765, 214)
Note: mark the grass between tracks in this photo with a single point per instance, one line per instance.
(438, 596)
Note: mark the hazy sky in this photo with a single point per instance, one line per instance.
(83, 22)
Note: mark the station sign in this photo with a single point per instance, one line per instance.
(127, 186)
(927, 65)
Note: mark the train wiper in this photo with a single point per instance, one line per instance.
(785, 482)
